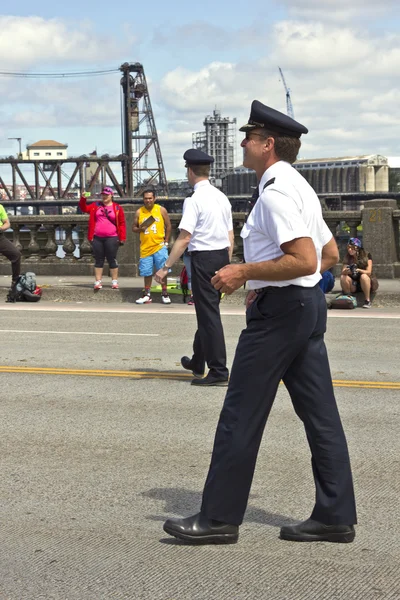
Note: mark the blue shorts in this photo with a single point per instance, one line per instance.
(150, 264)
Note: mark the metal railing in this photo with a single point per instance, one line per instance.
(62, 239)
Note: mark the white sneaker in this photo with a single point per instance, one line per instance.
(165, 299)
(98, 285)
(145, 299)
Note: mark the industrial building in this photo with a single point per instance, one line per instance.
(239, 182)
(341, 183)
(365, 174)
(219, 140)
(394, 173)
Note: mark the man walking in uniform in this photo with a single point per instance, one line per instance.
(206, 229)
(153, 224)
(286, 246)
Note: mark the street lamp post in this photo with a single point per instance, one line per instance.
(19, 141)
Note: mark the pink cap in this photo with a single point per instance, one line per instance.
(107, 190)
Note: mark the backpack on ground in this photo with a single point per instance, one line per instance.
(184, 283)
(25, 289)
(327, 282)
(343, 301)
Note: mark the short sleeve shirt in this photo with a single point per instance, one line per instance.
(207, 216)
(3, 215)
(287, 209)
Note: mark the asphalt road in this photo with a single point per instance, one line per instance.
(92, 464)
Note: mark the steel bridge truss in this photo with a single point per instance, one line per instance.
(140, 164)
(51, 178)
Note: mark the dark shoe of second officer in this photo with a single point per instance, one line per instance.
(187, 364)
(198, 529)
(200, 380)
(313, 531)
(209, 380)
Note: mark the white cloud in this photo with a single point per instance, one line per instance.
(215, 84)
(317, 46)
(28, 41)
(343, 83)
(338, 10)
(343, 78)
(34, 44)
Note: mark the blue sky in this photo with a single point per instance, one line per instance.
(340, 60)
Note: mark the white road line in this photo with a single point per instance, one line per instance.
(76, 332)
(374, 313)
(365, 315)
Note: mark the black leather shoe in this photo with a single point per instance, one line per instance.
(200, 530)
(313, 531)
(210, 380)
(187, 364)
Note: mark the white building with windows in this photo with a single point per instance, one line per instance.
(45, 150)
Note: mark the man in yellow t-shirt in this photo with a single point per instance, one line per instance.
(7, 248)
(153, 224)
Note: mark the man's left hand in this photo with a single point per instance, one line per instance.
(160, 275)
(229, 279)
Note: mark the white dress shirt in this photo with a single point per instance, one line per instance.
(207, 215)
(286, 210)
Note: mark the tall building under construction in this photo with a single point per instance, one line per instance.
(219, 140)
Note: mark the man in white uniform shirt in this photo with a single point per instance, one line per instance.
(286, 246)
(206, 229)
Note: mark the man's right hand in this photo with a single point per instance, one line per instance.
(251, 296)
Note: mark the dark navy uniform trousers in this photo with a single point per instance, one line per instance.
(11, 252)
(209, 342)
(284, 339)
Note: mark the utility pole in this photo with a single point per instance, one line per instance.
(19, 141)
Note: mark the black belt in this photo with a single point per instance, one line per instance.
(282, 288)
(273, 287)
(194, 252)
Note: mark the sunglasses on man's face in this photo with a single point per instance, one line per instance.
(250, 133)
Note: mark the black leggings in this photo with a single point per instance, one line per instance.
(8, 250)
(105, 247)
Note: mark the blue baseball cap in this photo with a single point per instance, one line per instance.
(355, 242)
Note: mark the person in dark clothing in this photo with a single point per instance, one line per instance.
(7, 248)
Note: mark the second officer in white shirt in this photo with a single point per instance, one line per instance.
(206, 229)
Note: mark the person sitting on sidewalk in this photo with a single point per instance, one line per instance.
(357, 271)
(153, 224)
(7, 248)
(106, 232)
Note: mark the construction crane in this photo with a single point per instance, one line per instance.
(289, 105)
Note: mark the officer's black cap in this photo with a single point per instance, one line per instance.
(269, 118)
(197, 157)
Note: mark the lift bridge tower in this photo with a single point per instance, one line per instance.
(140, 143)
